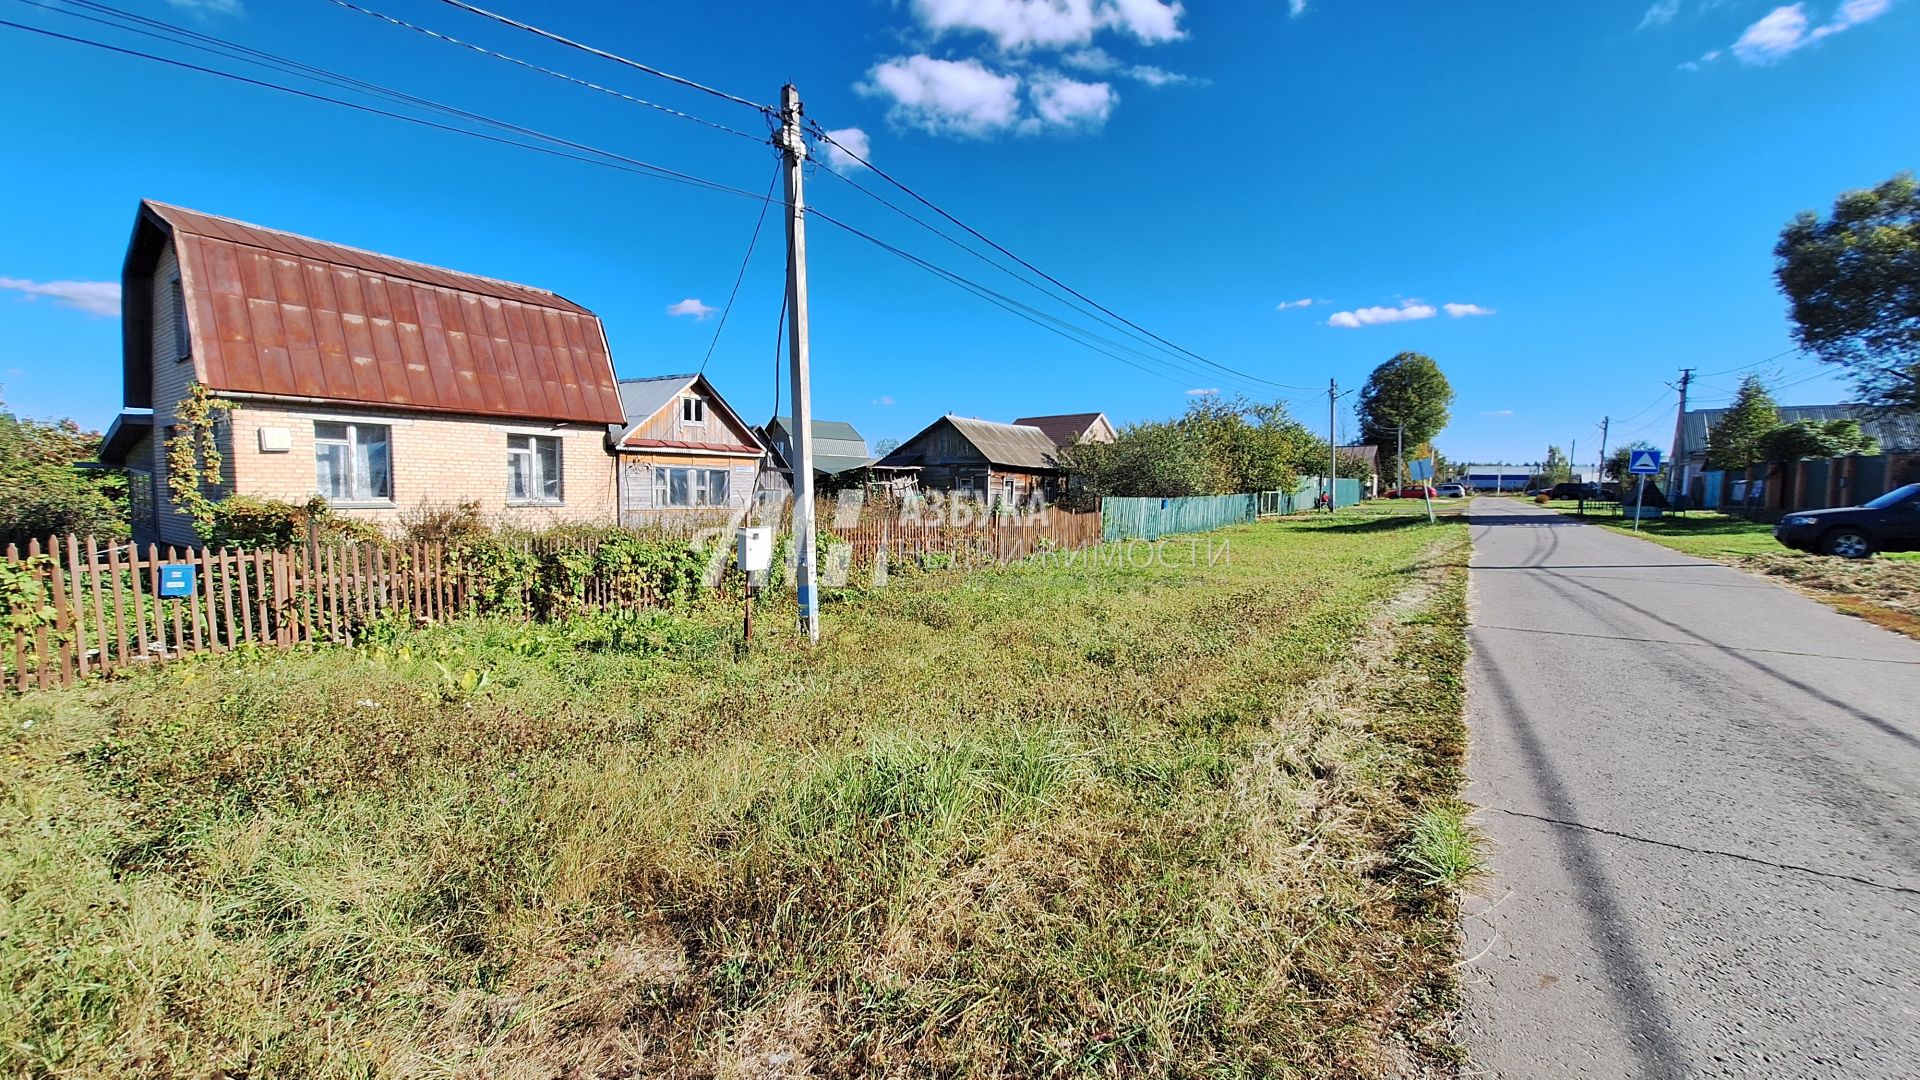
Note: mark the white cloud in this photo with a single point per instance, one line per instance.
(1660, 14)
(1296, 8)
(1497, 412)
(1285, 304)
(691, 306)
(956, 97)
(210, 7)
(855, 141)
(92, 297)
(1097, 61)
(1068, 103)
(1462, 311)
(1203, 391)
(1018, 25)
(1376, 316)
(1786, 30)
(883, 400)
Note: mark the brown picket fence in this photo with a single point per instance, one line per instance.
(79, 607)
(987, 540)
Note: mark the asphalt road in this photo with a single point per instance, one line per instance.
(1702, 793)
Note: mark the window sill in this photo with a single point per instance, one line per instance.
(377, 504)
(517, 504)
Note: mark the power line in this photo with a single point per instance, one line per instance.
(1755, 364)
(561, 75)
(605, 158)
(605, 55)
(821, 133)
(742, 275)
(1031, 314)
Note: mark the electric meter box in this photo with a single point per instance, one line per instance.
(753, 549)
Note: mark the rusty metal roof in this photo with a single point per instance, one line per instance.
(288, 316)
(1066, 428)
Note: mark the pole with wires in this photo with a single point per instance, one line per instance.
(1333, 447)
(793, 147)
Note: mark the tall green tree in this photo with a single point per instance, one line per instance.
(1557, 467)
(1405, 399)
(1853, 285)
(1816, 439)
(1739, 439)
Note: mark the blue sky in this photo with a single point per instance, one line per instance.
(1563, 203)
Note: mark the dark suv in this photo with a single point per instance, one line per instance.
(1888, 523)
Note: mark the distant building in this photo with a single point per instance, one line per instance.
(839, 451)
(681, 448)
(1496, 477)
(1012, 464)
(1069, 428)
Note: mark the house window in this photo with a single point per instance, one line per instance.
(963, 487)
(693, 410)
(689, 487)
(1009, 492)
(182, 341)
(351, 462)
(533, 469)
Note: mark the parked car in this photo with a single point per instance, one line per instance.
(1451, 491)
(1586, 491)
(1888, 523)
(1413, 491)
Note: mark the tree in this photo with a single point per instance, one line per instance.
(1405, 398)
(1737, 441)
(1557, 467)
(885, 446)
(42, 493)
(1218, 447)
(1804, 439)
(1853, 286)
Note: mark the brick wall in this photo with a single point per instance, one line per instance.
(436, 461)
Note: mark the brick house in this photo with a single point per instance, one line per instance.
(378, 383)
(681, 449)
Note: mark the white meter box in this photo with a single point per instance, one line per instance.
(753, 548)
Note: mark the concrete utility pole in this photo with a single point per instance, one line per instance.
(1333, 448)
(1677, 464)
(793, 148)
(1400, 455)
(1605, 423)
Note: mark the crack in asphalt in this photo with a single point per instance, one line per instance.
(1830, 874)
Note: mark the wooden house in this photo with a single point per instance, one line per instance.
(1008, 465)
(681, 449)
(1069, 428)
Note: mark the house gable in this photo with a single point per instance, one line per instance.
(681, 414)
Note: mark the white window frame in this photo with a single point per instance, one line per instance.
(182, 339)
(693, 409)
(700, 483)
(540, 482)
(352, 440)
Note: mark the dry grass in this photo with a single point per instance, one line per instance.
(1094, 820)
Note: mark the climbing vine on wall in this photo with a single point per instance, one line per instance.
(193, 457)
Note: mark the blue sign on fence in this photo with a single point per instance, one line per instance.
(176, 579)
(1644, 462)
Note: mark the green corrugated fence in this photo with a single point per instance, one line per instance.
(1150, 519)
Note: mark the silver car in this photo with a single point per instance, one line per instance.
(1451, 491)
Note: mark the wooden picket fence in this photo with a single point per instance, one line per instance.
(80, 608)
(986, 540)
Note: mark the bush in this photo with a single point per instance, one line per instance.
(1543, 499)
(43, 493)
(250, 523)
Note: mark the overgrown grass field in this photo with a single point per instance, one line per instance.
(1174, 819)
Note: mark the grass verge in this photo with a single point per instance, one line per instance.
(1120, 817)
(1884, 590)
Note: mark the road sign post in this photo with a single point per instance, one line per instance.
(1642, 463)
(1422, 469)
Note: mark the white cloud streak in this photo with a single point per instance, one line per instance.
(209, 7)
(945, 97)
(1463, 311)
(1296, 8)
(1068, 103)
(854, 140)
(1786, 30)
(1021, 25)
(1203, 391)
(1379, 316)
(883, 399)
(1660, 14)
(692, 307)
(1288, 304)
(92, 297)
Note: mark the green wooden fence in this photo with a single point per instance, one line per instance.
(1151, 519)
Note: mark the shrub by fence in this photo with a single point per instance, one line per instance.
(75, 607)
(1150, 519)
